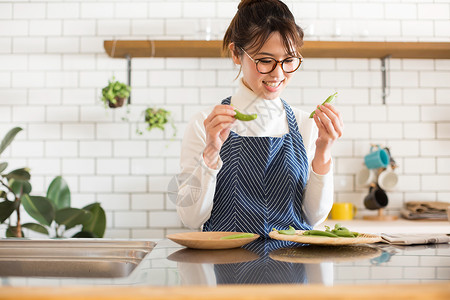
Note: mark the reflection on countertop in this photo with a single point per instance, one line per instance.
(274, 262)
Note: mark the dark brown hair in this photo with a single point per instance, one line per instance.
(256, 20)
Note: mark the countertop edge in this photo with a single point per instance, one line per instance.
(241, 292)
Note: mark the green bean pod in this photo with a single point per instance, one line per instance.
(319, 233)
(237, 236)
(343, 233)
(243, 117)
(328, 100)
(290, 231)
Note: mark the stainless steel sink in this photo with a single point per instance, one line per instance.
(92, 258)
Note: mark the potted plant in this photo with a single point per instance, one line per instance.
(157, 118)
(56, 216)
(52, 212)
(115, 93)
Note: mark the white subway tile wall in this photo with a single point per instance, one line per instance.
(53, 66)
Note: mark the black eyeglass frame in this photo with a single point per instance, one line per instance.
(277, 62)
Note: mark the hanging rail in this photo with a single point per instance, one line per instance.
(384, 78)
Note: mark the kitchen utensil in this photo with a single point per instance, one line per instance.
(343, 211)
(209, 240)
(365, 177)
(388, 179)
(376, 198)
(377, 158)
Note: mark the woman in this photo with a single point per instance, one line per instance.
(271, 172)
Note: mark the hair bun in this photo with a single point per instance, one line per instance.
(245, 3)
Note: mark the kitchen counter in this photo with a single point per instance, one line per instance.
(262, 269)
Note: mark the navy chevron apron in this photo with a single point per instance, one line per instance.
(261, 182)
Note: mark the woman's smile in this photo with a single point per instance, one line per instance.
(273, 86)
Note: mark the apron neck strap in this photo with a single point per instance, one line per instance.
(292, 122)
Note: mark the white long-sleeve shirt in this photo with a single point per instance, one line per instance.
(197, 182)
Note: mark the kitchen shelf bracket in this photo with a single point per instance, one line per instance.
(385, 86)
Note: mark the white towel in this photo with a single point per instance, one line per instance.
(410, 239)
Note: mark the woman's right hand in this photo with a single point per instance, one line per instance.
(217, 125)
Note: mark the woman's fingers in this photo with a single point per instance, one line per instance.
(336, 113)
(226, 110)
(330, 120)
(218, 123)
(217, 126)
(220, 114)
(318, 122)
(326, 123)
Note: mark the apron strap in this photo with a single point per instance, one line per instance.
(226, 101)
(292, 121)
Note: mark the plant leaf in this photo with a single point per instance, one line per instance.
(9, 137)
(11, 231)
(59, 193)
(19, 186)
(71, 217)
(6, 209)
(39, 208)
(84, 234)
(35, 227)
(3, 166)
(97, 224)
(19, 174)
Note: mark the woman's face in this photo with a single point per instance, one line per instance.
(267, 86)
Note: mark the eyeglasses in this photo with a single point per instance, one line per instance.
(268, 64)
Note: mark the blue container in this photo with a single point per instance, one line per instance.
(377, 158)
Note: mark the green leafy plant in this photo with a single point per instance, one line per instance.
(52, 212)
(14, 186)
(157, 118)
(115, 93)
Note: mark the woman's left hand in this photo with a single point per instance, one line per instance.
(331, 127)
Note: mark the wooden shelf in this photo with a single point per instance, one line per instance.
(319, 49)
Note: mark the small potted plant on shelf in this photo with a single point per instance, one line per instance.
(157, 118)
(115, 93)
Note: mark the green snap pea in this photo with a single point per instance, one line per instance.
(328, 100)
(237, 236)
(319, 233)
(243, 117)
(290, 231)
(343, 233)
(338, 231)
